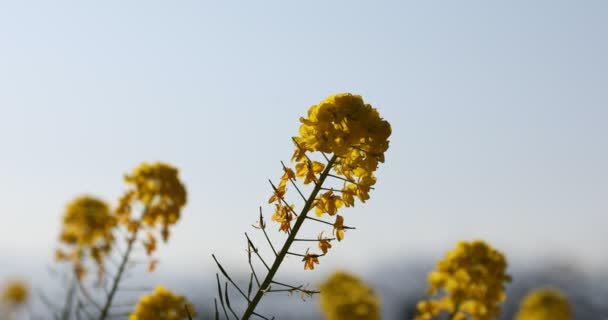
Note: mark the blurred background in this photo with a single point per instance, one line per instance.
(498, 111)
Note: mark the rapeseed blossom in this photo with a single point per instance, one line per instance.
(346, 297)
(352, 137)
(544, 304)
(162, 304)
(88, 226)
(15, 293)
(158, 189)
(472, 278)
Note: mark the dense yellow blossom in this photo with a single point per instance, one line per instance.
(472, 277)
(162, 304)
(352, 138)
(158, 189)
(15, 293)
(544, 304)
(87, 228)
(353, 131)
(346, 297)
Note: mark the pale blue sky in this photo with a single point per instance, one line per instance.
(499, 113)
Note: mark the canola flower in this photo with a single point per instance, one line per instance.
(157, 191)
(87, 230)
(162, 304)
(15, 293)
(352, 138)
(472, 278)
(157, 188)
(346, 297)
(544, 304)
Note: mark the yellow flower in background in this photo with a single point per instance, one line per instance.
(158, 189)
(88, 227)
(346, 297)
(472, 278)
(544, 304)
(162, 304)
(15, 293)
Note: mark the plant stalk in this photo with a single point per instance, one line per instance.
(121, 269)
(290, 239)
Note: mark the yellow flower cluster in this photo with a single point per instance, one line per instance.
(15, 293)
(472, 277)
(355, 135)
(162, 304)
(346, 297)
(544, 304)
(158, 189)
(352, 130)
(87, 229)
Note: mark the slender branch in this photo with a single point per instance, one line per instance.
(121, 269)
(328, 223)
(263, 227)
(87, 296)
(316, 240)
(294, 184)
(229, 279)
(283, 252)
(255, 250)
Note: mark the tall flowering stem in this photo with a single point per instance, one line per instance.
(157, 189)
(119, 273)
(351, 137)
(290, 239)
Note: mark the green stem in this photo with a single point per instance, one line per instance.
(67, 308)
(290, 239)
(121, 269)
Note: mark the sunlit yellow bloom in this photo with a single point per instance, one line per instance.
(339, 228)
(150, 243)
(472, 276)
(324, 244)
(544, 304)
(310, 260)
(346, 297)
(162, 304)
(284, 215)
(158, 189)
(309, 170)
(329, 203)
(88, 227)
(15, 293)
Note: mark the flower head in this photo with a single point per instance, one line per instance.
(88, 227)
(353, 131)
(472, 276)
(15, 293)
(162, 304)
(158, 189)
(544, 304)
(346, 297)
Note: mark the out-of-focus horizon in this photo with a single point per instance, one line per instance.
(498, 113)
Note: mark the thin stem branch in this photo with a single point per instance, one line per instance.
(283, 252)
(121, 269)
